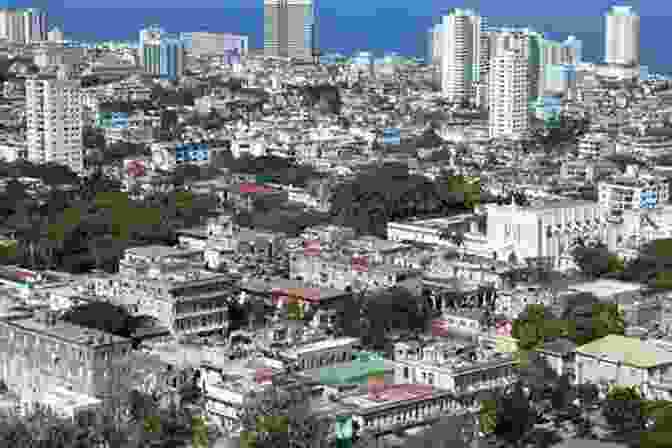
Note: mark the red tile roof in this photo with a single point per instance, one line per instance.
(253, 188)
(401, 392)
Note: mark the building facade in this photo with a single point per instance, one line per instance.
(508, 95)
(23, 25)
(622, 36)
(54, 121)
(171, 58)
(290, 28)
(633, 193)
(543, 230)
(42, 356)
(203, 44)
(460, 54)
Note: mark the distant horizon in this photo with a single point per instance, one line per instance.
(365, 32)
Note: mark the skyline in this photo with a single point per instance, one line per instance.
(364, 31)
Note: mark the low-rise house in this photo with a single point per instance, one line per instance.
(626, 361)
(460, 368)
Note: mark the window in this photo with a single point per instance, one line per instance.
(406, 373)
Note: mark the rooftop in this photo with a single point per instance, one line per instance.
(295, 287)
(606, 288)
(160, 251)
(250, 188)
(325, 344)
(69, 332)
(627, 350)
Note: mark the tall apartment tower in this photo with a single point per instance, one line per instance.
(54, 120)
(460, 54)
(290, 28)
(23, 25)
(622, 36)
(171, 57)
(149, 37)
(507, 94)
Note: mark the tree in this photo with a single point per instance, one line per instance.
(535, 325)
(591, 319)
(588, 394)
(276, 417)
(563, 393)
(594, 261)
(515, 416)
(660, 434)
(623, 409)
(536, 373)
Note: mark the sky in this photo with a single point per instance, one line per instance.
(351, 25)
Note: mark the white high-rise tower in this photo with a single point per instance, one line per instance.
(460, 54)
(508, 94)
(622, 36)
(54, 120)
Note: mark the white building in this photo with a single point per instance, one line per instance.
(622, 36)
(460, 54)
(546, 229)
(633, 193)
(508, 95)
(23, 25)
(55, 35)
(54, 121)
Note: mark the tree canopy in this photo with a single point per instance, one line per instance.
(624, 410)
(535, 325)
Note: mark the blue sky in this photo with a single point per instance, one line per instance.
(414, 7)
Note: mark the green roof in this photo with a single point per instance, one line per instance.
(627, 350)
(354, 372)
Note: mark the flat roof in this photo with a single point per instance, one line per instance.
(393, 394)
(319, 345)
(435, 223)
(66, 400)
(159, 251)
(250, 188)
(69, 332)
(279, 284)
(605, 288)
(627, 350)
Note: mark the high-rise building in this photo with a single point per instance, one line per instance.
(149, 37)
(171, 57)
(290, 28)
(434, 42)
(226, 46)
(55, 35)
(23, 25)
(54, 120)
(460, 54)
(507, 94)
(622, 36)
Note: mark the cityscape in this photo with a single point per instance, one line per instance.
(216, 239)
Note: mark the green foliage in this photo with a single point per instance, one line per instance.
(624, 410)
(535, 325)
(596, 260)
(487, 416)
(615, 264)
(103, 316)
(515, 415)
(200, 433)
(588, 393)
